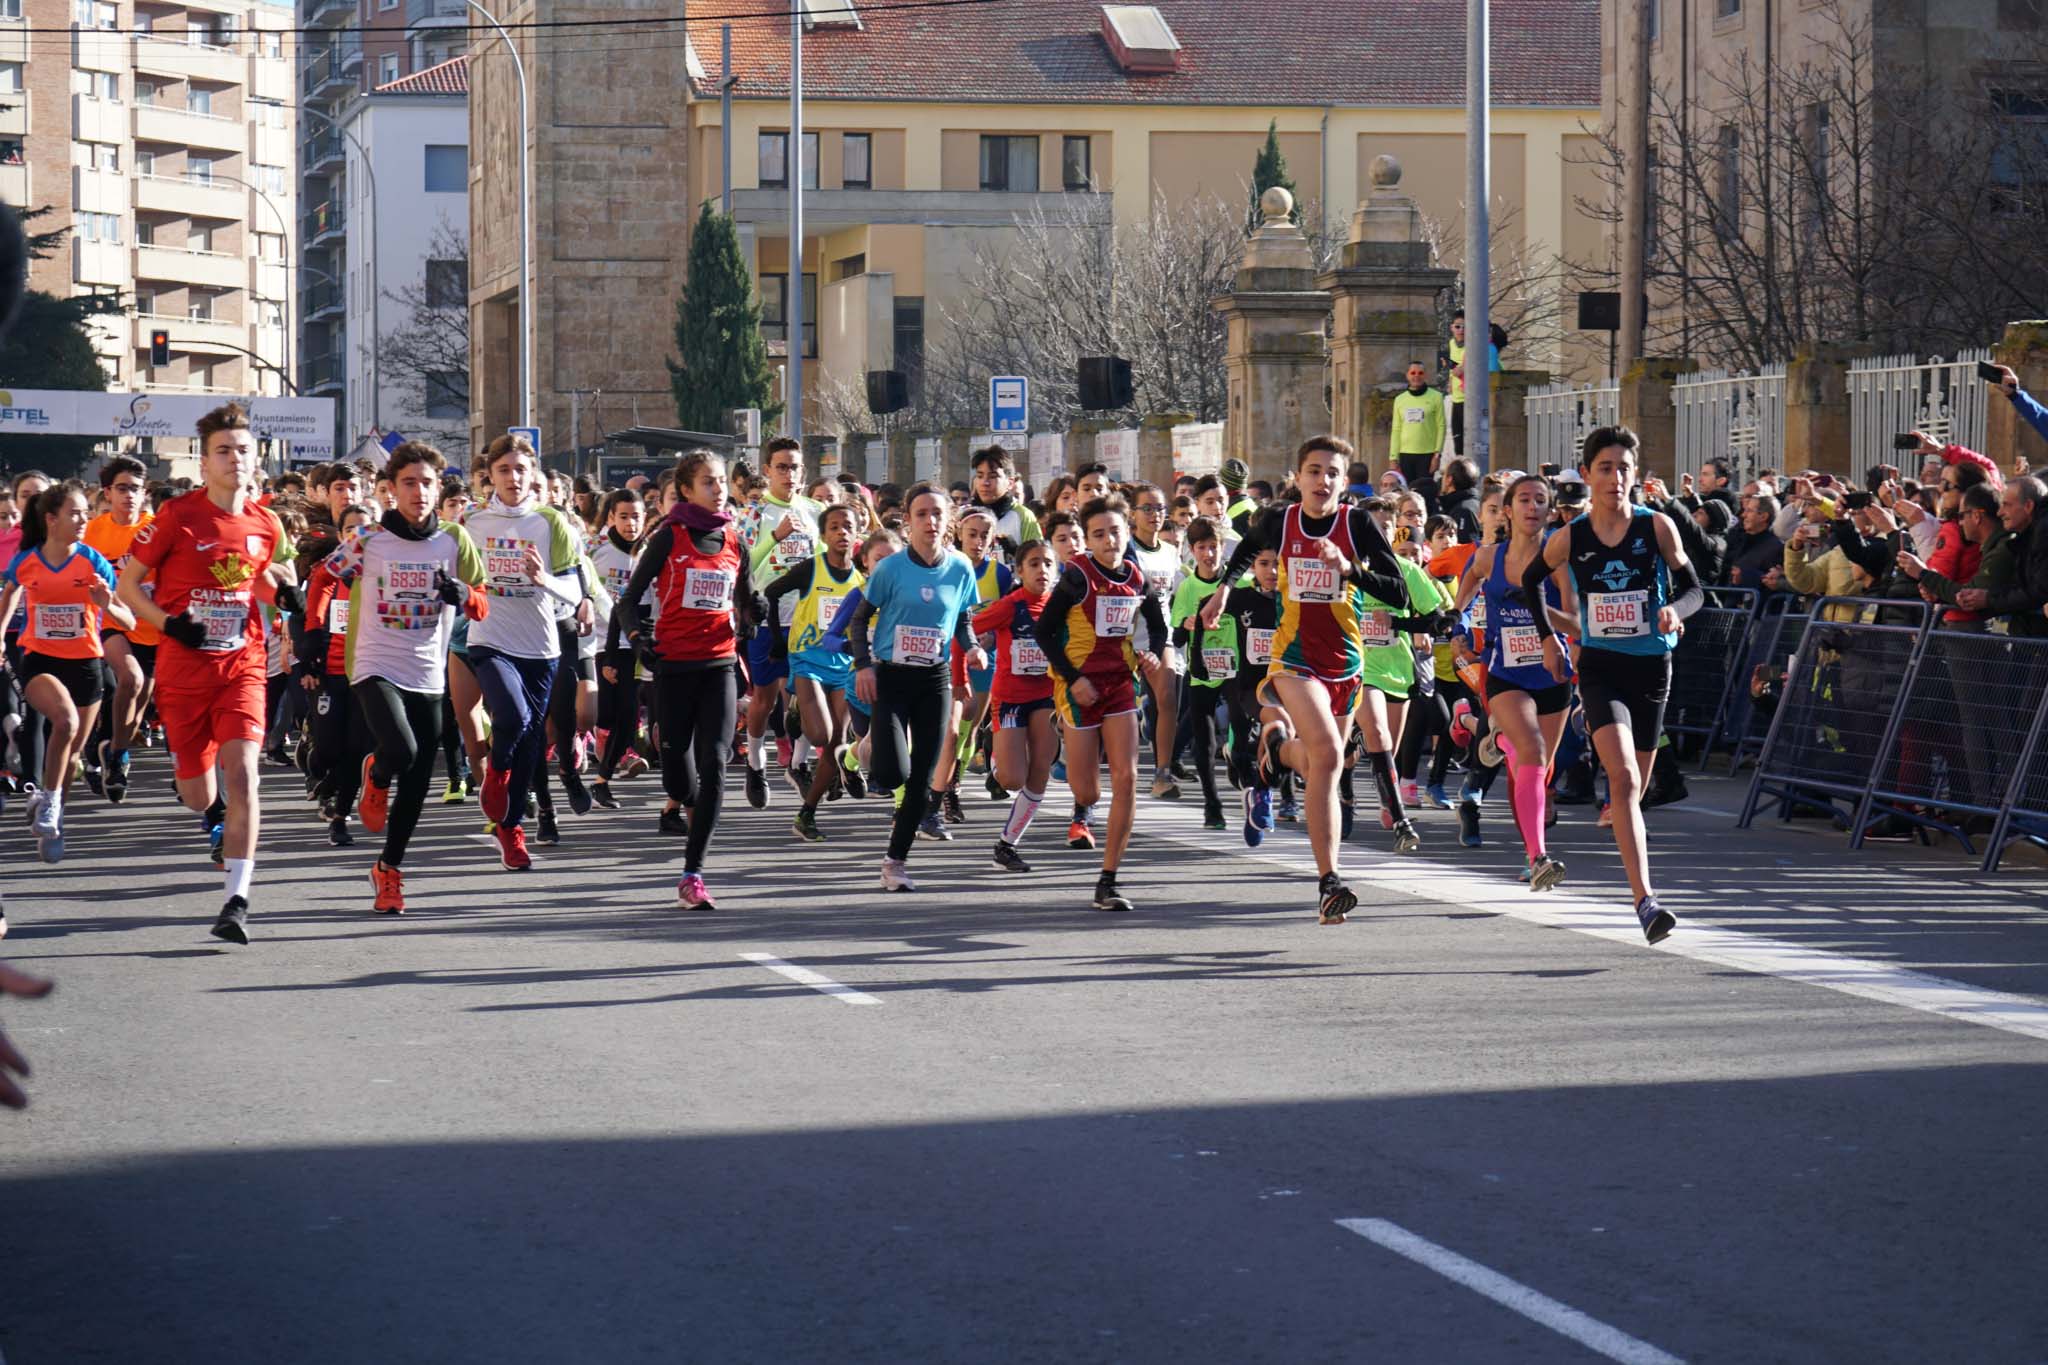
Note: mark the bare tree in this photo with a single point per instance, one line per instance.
(1527, 285)
(427, 355)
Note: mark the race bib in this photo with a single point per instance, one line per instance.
(1312, 580)
(1219, 661)
(615, 581)
(1260, 648)
(1617, 615)
(59, 621)
(1520, 646)
(505, 563)
(828, 611)
(1377, 628)
(1027, 659)
(1414, 415)
(337, 616)
(792, 550)
(224, 616)
(1115, 616)
(919, 645)
(409, 582)
(1479, 612)
(707, 589)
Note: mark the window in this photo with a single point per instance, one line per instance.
(145, 161)
(199, 237)
(199, 306)
(106, 16)
(10, 152)
(203, 30)
(447, 394)
(1817, 180)
(2019, 148)
(271, 179)
(856, 161)
(10, 9)
(1653, 16)
(10, 78)
(144, 23)
(387, 65)
(1077, 164)
(774, 152)
(1728, 180)
(269, 246)
(1009, 163)
(909, 336)
(447, 169)
(99, 227)
(81, 12)
(447, 284)
(269, 113)
(199, 168)
(198, 99)
(145, 302)
(105, 156)
(1727, 9)
(846, 267)
(775, 310)
(145, 232)
(104, 85)
(269, 313)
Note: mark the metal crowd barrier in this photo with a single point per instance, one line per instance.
(1707, 669)
(2026, 803)
(1781, 621)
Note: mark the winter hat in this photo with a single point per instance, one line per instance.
(1234, 475)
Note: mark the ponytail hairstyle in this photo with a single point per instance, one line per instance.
(35, 523)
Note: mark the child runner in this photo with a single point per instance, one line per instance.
(341, 741)
(1255, 611)
(1025, 740)
(131, 653)
(624, 515)
(779, 531)
(1212, 656)
(819, 674)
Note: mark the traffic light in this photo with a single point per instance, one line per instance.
(160, 346)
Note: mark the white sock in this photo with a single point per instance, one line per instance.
(1021, 810)
(239, 871)
(800, 752)
(757, 751)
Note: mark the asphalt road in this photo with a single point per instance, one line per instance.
(549, 1117)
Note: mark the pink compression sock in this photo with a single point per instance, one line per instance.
(1528, 783)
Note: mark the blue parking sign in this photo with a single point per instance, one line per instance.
(1009, 403)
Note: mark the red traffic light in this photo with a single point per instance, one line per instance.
(160, 346)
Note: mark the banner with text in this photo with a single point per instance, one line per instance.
(308, 423)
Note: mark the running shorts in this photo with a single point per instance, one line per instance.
(80, 678)
(762, 666)
(1549, 700)
(1115, 695)
(1629, 690)
(145, 655)
(1343, 692)
(1016, 715)
(197, 723)
(832, 679)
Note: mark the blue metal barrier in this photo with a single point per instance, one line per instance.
(1781, 621)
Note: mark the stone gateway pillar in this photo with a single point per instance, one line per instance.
(1274, 358)
(1384, 292)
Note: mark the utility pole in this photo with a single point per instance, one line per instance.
(1478, 225)
(527, 344)
(725, 121)
(793, 167)
(1633, 43)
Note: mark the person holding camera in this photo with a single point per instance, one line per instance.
(1814, 563)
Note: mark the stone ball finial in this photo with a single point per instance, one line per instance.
(1277, 204)
(1386, 172)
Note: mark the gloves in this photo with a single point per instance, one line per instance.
(644, 648)
(448, 590)
(290, 600)
(186, 631)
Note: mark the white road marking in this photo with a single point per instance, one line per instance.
(1562, 1319)
(805, 976)
(1611, 918)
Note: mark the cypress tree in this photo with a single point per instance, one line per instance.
(1270, 170)
(721, 363)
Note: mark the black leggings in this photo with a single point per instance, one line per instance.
(451, 740)
(340, 739)
(405, 729)
(698, 710)
(618, 708)
(1244, 729)
(1199, 713)
(913, 704)
(29, 722)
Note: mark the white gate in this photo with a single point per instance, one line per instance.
(1895, 394)
(1736, 417)
(1562, 415)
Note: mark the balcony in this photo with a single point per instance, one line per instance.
(98, 191)
(322, 372)
(273, 146)
(196, 61)
(190, 198)
(323, 221)
(100, 263)
(327, 70)
(206, 336)
(217, 269)
(829, 209)
(97, 120)
(14, 185)
(323, 150)
(14, 114)
(13, 41)
(435, 13)
(170, 123)
(320, 13)
(96, 49)
(323, 298)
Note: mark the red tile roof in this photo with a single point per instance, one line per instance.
(1244, 52)
(449, 78)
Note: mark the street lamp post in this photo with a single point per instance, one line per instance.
(284, 239)
(1478, 232)
(375, 298)
(526, 339)
(793, 167)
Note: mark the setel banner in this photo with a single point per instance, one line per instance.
(308, 423)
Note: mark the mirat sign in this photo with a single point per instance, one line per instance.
(308, 423)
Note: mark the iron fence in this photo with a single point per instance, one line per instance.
(1562, 415)
(1894, 394)
(1737, 417)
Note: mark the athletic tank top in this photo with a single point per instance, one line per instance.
(1621, 587)
(1513, 651)
(696, 594)
(1321, 613)
(1101, 624)
(814, 607)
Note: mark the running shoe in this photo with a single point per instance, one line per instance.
(950, 807)
(1657, 922)
(1286, 811)
(48, 823)
(1212, 815)
(216, 845)
(1462, 724)
(373, 807)
(933, 826)
(1334, 900)
(631, 766)
(1489, 750)
(512, 848)
(995, 788)
(856, 784)
(1411, 794)
(1059, 770)
(1165, 788)
(1270, 766)
(1406, 840)
(43, 813)
(1468, 823)
(390, 888)
(784, 749)
(1606, 815)
(233, 924)
(578, 791)
(93, 781)
(691, 895)
(674, 821)
(1258, 816)
(337, 833)
(545, 831)
(1006, 859)
(601, 795)
(1079, 835)
(1106, 895)
(1468, 792)
(496, 796)
(1437, 800)
(806, 827)
(1545, 873)
(896, 875)
(757, 788)
(455, 792)
(799, 779)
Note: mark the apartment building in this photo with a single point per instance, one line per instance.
(347, 49)
(161, 133)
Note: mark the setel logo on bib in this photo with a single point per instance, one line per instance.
(1312, 580)
(1115, 616)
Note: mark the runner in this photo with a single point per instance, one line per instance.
(67, 589)
(993, 580)
(1086, 631)
(1255, 612)
(1160, 559)
(624, 516)
(915, 602)
(531, 561)
(341, 739)
(404, 576)
(995, 488)
(1212, 656)
(780, 531)
(1388, 673)
(1025, 740)
(707, 604)
(1333, 558)
(130, 653)
(819, 673)
(1634, 587)
(215, 554)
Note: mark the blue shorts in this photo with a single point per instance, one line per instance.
(1016, 715)
(765, 670)
(830, 675)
